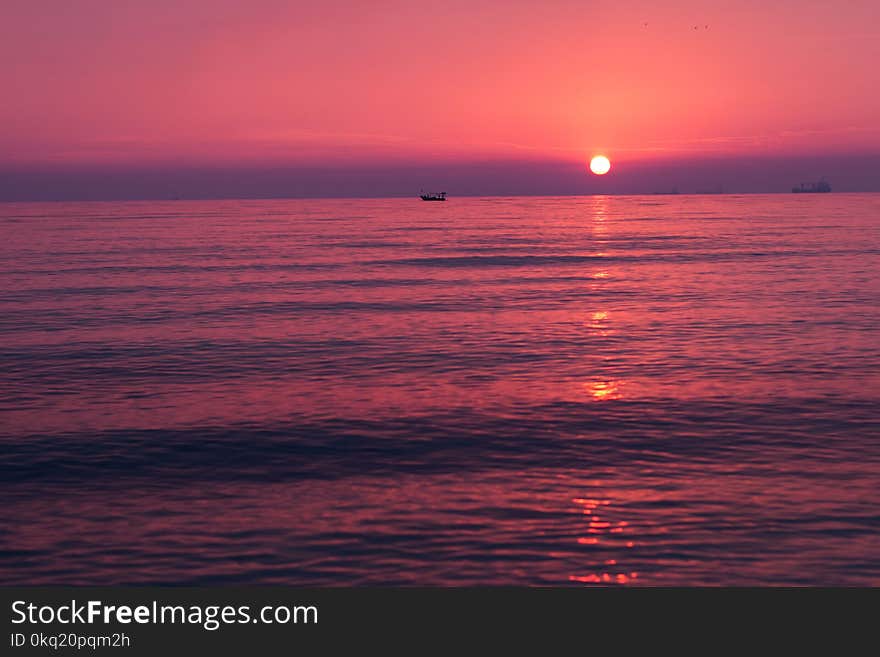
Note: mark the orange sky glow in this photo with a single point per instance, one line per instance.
(340, 82)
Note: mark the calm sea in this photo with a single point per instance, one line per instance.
(628, 390)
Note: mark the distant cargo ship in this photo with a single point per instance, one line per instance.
(820, 187)
(440, 196)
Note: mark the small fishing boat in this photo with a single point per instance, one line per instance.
(440, 196)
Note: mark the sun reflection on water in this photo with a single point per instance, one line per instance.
(603, 531)
(599, 324)
(604, 390)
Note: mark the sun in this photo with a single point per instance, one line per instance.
(600, 165)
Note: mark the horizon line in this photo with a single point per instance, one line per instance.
(416, 197)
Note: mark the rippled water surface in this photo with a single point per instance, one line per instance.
(623, 390)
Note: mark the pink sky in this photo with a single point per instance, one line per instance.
(296, 83)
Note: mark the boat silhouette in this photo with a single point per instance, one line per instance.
(439, 196)
(812, 188)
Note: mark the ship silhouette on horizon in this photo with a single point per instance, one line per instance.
(821, 187)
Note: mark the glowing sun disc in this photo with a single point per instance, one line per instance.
(600, 165)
